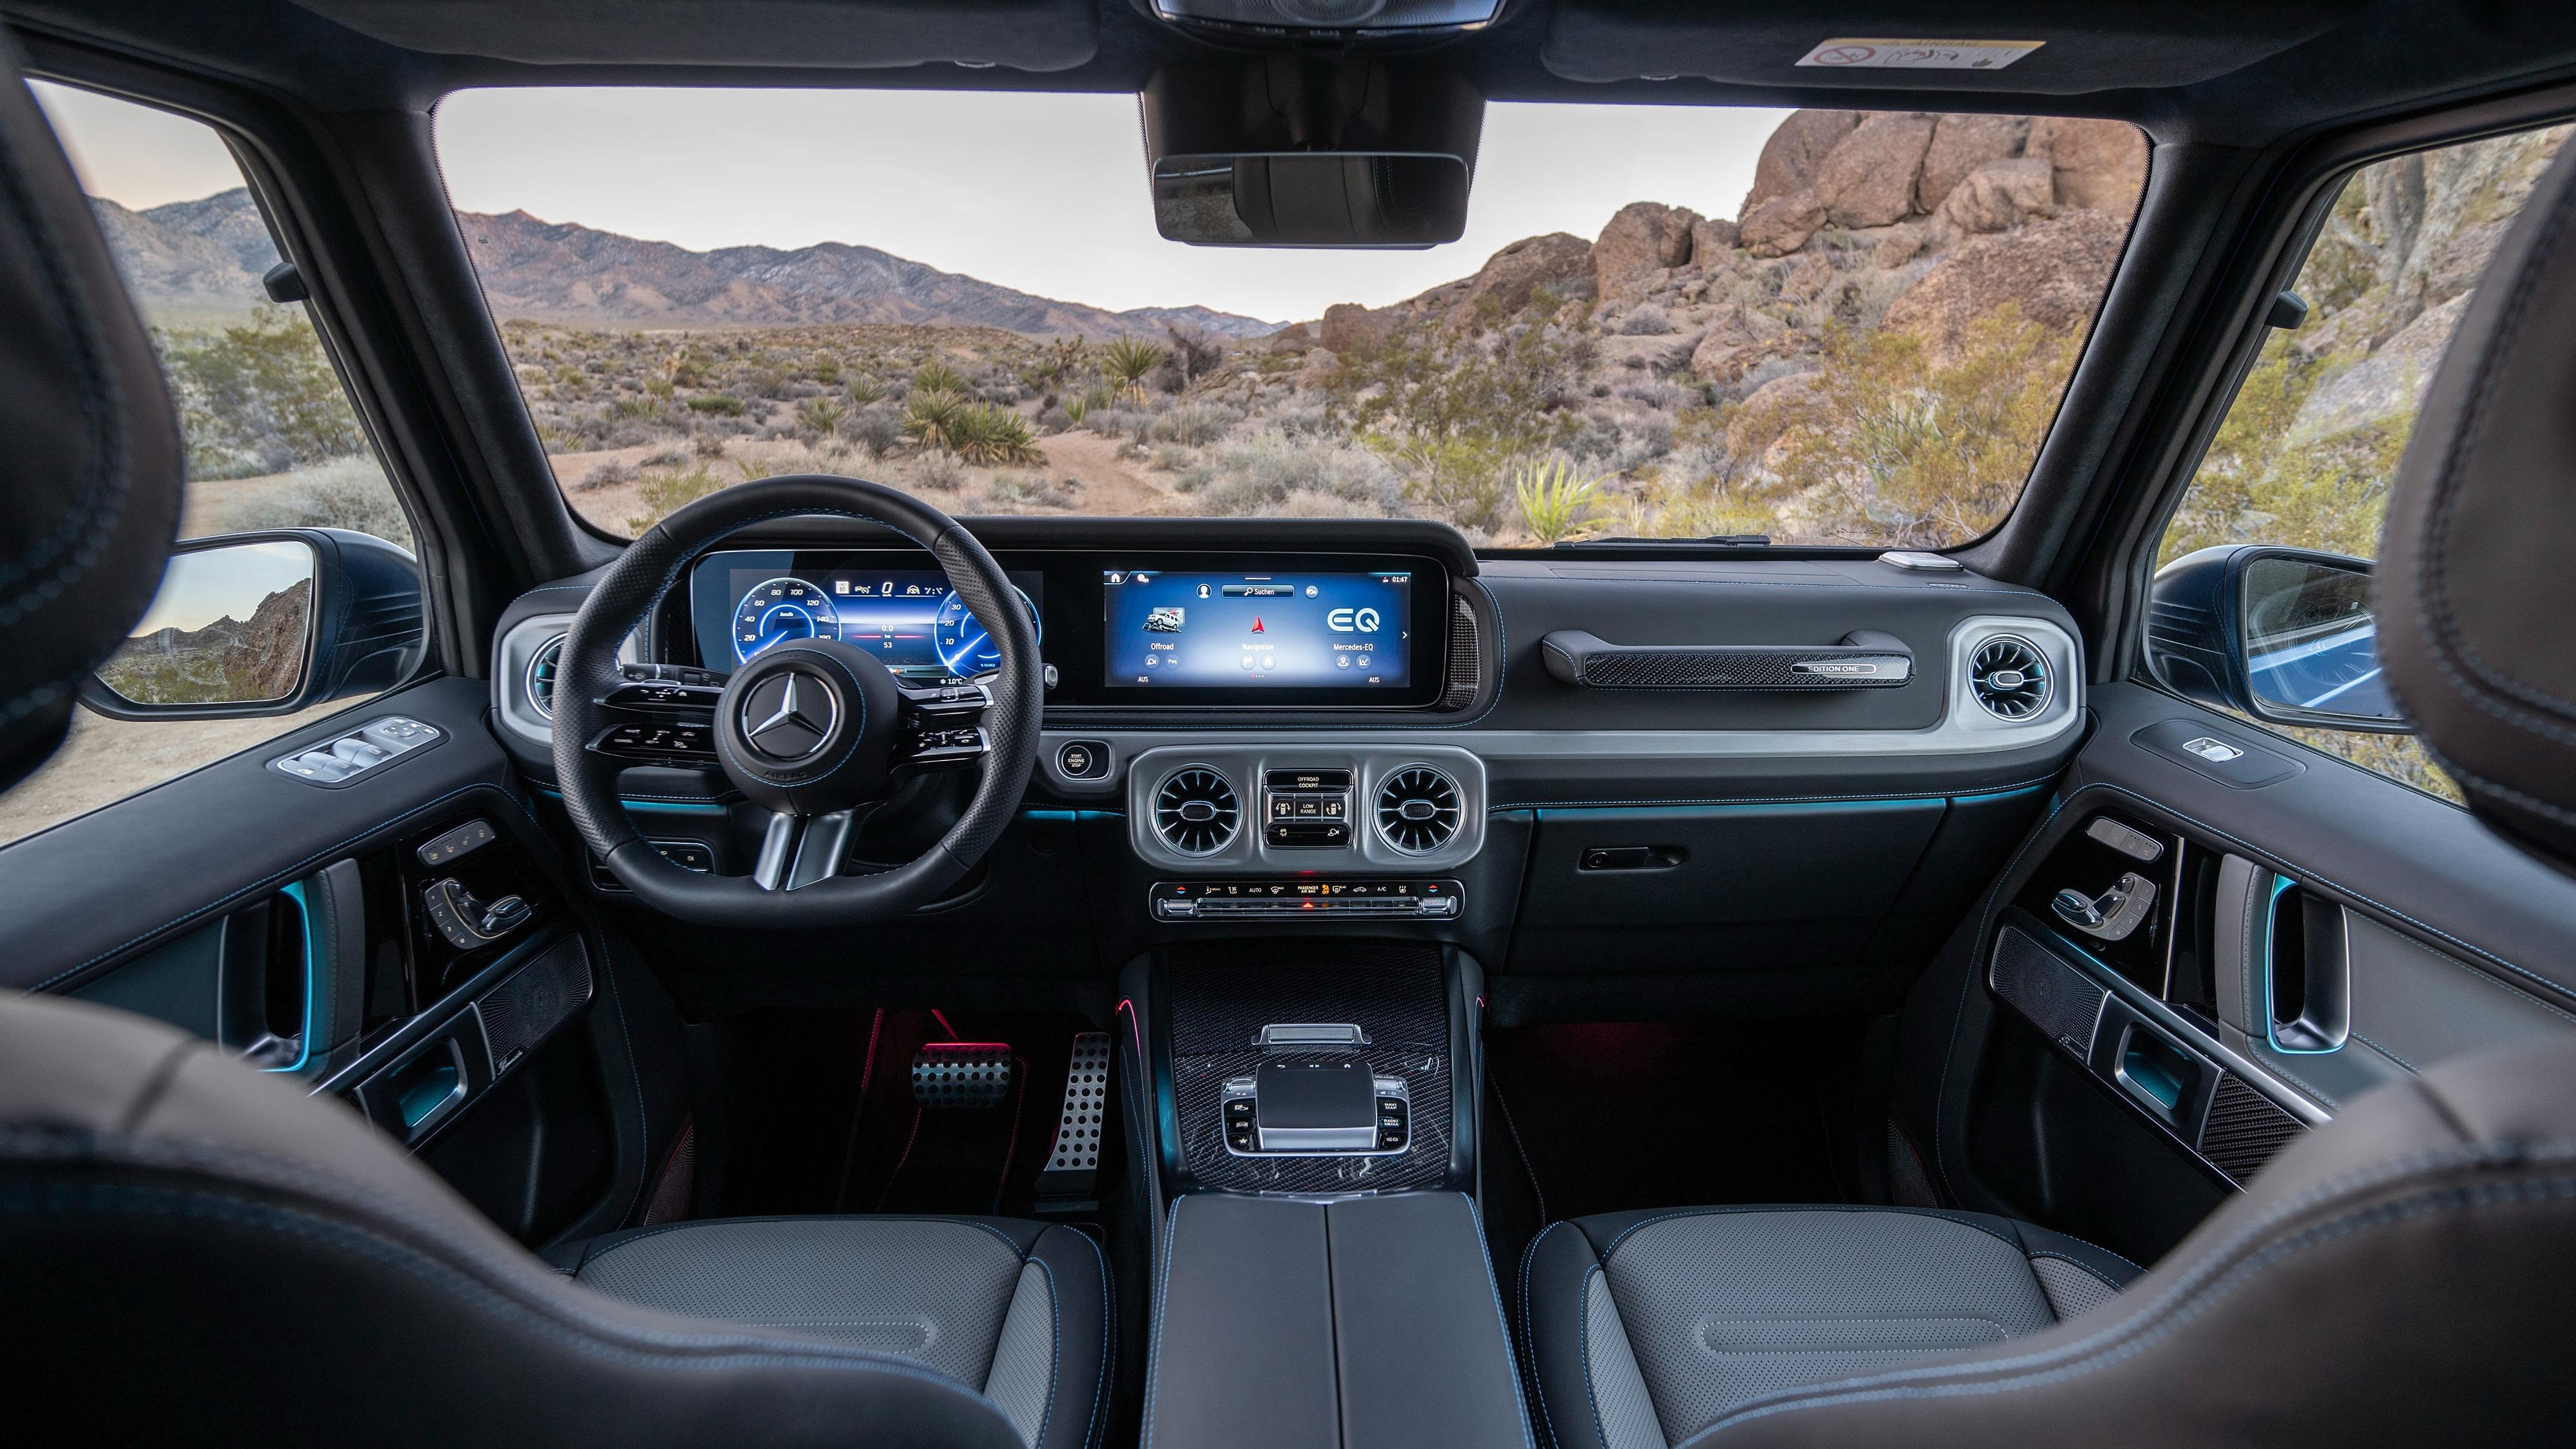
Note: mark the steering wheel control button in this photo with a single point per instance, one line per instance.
(473, 835)
(787, 716)
(687, 744)
(372, 746)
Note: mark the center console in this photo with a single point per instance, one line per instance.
(1324, 1273)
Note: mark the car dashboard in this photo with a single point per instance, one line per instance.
(1364, 727)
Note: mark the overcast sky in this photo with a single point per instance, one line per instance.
(1045, 193)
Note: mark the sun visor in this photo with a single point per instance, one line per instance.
(2035, 47)
(1033, 35)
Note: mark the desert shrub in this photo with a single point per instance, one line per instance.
(1194, 353)
(666, 493)
(1259, 475)
(1554, 499)
(718, 404)
(1195, 424)
(756, 468)
(259, 397)
(1133, 424)
(636, 407)
(706, 445)
(937, 469)
(877, 429)
(1646, 321)
(1054, 420)
(606, 475)
(1899, 448)
(1170, 457)
(864, 391)
(1018, 490)
(346, 493)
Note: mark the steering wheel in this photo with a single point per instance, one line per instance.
(811, 728)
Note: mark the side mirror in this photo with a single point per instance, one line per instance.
(2281, 634)
(267, 623)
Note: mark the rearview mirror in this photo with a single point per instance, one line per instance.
(267, 624)
(2281, 634)
(1325, 199)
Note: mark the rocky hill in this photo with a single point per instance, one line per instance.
(227, 660)
(206, 256)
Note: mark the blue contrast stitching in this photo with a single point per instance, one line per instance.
(1510, 1361)
(1583, 1332)
(1162, 1299)
(1055, 1347)
(1942, 1214)
(1108, 1339)
(1538, 1386)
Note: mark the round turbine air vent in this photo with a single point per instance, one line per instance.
(542, 666)
(1195, 811)
(2010, 677)
(1417, 809)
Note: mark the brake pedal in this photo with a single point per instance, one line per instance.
(1070, 1182)
(969, 1074)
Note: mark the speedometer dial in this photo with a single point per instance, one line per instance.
(965, 648)
(779, 610)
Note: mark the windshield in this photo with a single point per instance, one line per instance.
(1816, 326)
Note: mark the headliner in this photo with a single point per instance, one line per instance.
(2227, 72)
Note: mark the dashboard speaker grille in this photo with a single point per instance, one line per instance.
(1196, 811)
(1417, 809)
(1465, 654)
(2010, 677)
(2245, 1130)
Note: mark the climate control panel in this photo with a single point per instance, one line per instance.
(1238, 810)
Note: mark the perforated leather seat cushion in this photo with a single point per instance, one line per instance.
(1646, 1327)
(1015, 1310)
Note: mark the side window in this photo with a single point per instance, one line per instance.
(2309, 447)
(272, 440)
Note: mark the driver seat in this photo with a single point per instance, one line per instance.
(194, 1251)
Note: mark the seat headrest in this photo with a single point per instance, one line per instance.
(2477, 569)
(90, 459)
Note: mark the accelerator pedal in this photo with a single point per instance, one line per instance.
(967, 1074)
(1070, 1182)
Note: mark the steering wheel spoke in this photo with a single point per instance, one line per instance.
(941, 726)
(798, 850)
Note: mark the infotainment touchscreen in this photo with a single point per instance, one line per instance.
(1257, 630)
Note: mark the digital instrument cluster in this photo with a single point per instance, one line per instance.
(912, 621)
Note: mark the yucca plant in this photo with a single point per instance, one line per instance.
(1128, 362)
(866, 390)
(938, 377)
(821, 415)
(1554, 499)
(1074, 409)
(988, 435)
(930, 418)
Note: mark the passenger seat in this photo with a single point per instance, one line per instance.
(1643, 1320)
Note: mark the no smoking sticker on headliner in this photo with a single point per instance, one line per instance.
(1843, 54)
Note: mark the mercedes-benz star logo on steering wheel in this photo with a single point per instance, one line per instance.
(788, 715)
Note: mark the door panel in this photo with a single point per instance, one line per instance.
(2304, 938)
(355, 937)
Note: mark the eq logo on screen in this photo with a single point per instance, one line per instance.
(1352, 621)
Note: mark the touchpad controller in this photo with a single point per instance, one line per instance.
(1316, 1103)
